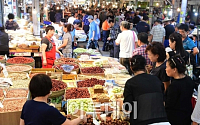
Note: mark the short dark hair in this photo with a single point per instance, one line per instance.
(83, 12)
(49, 28)
(111, 21)
(177, 62)
(143, 37)
(183, 27)
(69, 27)
(2, 28)
(40, 85)
(11, 16)
(191, 26)
(145, 17)
(137, 63)
(157, 48)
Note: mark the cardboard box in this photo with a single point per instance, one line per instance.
(10, 118)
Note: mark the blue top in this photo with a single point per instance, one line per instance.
(40, 113)
(188, 44)
(93, 27)
(85, 20)
(142, 27)
(73, 34)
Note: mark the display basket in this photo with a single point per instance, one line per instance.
(57, 93)
(32, 64)
(63, 60)
(26, 69)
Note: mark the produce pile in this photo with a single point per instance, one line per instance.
(59, 66)
(1, 93)
(92, 70)
(65, 60)
(11, 105)
(74, 93)
(18, 68)
(16, 93)
(82, 104)
(17, 76)
(114, 122)
(1, 58)
(90, 82)
(20, 60)
(20, 83)
(80, 50)
(58, 85)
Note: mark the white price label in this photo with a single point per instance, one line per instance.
(1, 105)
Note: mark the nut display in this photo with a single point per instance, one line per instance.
(17, 76)
(64, 60)
(58, 85)
(16, 93)
(114, 122)
(11, 105)
(92, 70)
(90, 82)
(74, 93)
(20, 60)
(1, 58)
(21, 83)
(18, 68)
(59, 66)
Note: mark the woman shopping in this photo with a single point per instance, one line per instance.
(4, 41)
(178, 103)
(37, 111)
(67, 41)
(49, 48)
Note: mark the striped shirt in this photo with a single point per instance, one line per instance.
(158, 33)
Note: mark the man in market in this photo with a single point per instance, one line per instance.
(48, 48)
(143, 26)
(114, 31)
(93, 36)
(106, 30)
(169, 29)
(76, 24)
(157, 32)
(52, 15)
(71, 19)
(4, 41)
(85, 22)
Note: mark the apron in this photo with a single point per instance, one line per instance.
(50, 56)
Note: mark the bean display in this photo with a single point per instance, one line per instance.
(11, 105)
(92, 70)
(74, 93)
(114, 122)
(90, 82)
(16, 93)
(1, 93)
(17, 76)
(58, 85)
(20, 60)
(59, 66)
(21, 83)
(18, 68)
(1, 58)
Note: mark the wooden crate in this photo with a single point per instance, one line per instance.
(71, 76)
(43, 70)
(10, 118)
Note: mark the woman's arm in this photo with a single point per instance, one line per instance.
(21, 122)
(65, 41)
(43, 48)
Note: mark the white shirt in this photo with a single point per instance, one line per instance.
(196, 112)
(127, 43)
(71, 20)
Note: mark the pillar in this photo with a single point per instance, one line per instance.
(36, 17)
(1, 12)
(175, 4)
(151, 13)
(183, 11)
(45, 9)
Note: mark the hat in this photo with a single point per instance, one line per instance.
(158, 20)
(166, 20)
(195, 32)
(76, 22)
(90, 17)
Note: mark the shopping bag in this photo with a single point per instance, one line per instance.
(189, 69)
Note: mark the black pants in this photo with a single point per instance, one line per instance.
(4, 52)
(125, 62)
(86, 29)
(116, 50)
(104, 38)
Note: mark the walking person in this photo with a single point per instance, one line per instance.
(169, 29)
(85, 22)
(106, 31)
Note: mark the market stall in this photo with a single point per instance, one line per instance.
(91, 83)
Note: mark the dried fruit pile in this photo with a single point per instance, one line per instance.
(92, 70)
(1, 93)
(17, 93)
(11, 105)
(64, 60)
(20, 60)
(74, 93)
(1, 58)
(90, 82)
(58, 85)
(17, 76)
(18, 68)
(59, 66)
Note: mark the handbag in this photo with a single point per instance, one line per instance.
(189, 69)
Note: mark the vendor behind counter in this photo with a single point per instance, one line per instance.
(4, 41)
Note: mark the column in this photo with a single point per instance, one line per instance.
(175, 4)
(1, 12)
(183, 10)
(46, 9)
(36, 17)
(151, 13)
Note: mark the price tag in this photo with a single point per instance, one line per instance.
(1, 105)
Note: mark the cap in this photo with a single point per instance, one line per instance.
(90, 17)
(76, 22)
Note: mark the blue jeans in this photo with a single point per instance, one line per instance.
(104, 38)
(95, 43)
